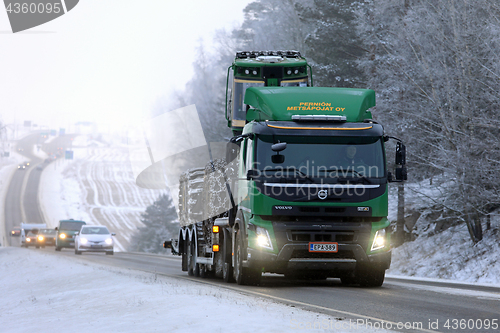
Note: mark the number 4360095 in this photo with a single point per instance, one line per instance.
(33, 8)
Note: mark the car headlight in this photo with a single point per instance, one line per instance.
(109, 241)
(83, 240)
(40, 238)
(263, 239)
(62, 236)
(379, 241)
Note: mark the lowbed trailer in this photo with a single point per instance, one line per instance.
(303, 190)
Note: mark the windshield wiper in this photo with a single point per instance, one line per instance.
(342, 171)
(305, 175)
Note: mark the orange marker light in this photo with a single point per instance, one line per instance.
(215, 248)
(215, 229)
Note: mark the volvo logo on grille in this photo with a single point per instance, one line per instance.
(283, 207)
(322, 194)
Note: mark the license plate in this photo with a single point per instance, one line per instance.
(95, 245)
(323, 247)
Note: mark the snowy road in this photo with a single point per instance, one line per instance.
(419, 304)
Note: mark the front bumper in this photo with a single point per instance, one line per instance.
(296, 257)
(95, 248)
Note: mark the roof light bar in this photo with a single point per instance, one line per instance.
(337, 119)
(255, 54)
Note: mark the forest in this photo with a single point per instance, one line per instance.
(434, 65)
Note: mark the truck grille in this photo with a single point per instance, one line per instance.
(308, 236)
(305, 254)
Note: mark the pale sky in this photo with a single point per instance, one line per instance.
(105, 61)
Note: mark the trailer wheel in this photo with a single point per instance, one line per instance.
(244, 275)
(227, 272)
(193, 268)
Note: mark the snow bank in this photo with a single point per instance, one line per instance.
(450, 255)
(80, 296)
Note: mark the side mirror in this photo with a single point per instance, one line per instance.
(113, 234)
(278, 159)
(252, 173)
(400, 153)
(401, 174)
(280, 146)
(56, 228)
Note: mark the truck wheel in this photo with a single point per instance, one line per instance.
(227, 272)
(193, 268)
(58, 248)
(244, 275)
(370, 277)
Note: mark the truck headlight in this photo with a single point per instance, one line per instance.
(379, 241)
(40, 238)
(263, 239)
(62, 236)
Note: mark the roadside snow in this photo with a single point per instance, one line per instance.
(85, 297)
(450, 255)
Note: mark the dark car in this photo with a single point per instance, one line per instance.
(30, 239)
(46, 237)
(66, 233)
(16, 231)
(21, 167)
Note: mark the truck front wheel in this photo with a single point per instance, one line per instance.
(244, 275)
(370, 276)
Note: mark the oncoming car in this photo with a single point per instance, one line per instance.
(46, 237)
(30, 239)
(94, 238)
(66, 233)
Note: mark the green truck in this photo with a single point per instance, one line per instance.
(303, 190)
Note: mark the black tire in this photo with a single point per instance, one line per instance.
(193, 268)
(78, 252)
(227, 254)
(227, 272)
(58, 248)
(37, 247)
(244, 275)
(370, 277)
(110, 253)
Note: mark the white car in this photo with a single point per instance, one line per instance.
(94, 238)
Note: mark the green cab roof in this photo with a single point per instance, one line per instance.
(281, 103)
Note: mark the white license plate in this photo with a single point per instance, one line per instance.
(323, 247)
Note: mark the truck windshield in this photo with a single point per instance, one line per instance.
(240, 86)
(323, 157)
(71, 226)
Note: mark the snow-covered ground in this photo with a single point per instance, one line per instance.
(98, 187)
(78, 296)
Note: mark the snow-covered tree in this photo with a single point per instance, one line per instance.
(434, 65)
(160, 224)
